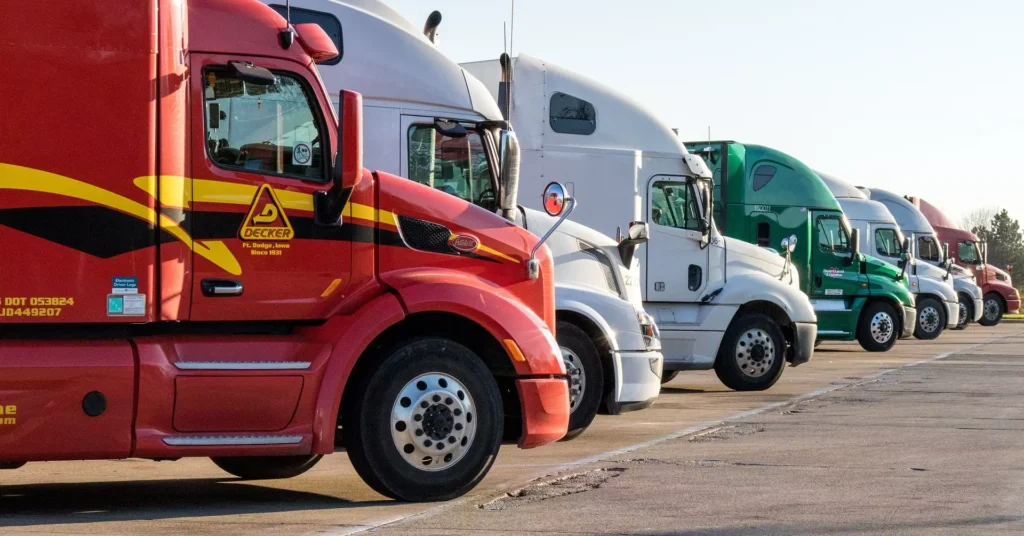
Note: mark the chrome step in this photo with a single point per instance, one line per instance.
(222, 441)
(242, 365)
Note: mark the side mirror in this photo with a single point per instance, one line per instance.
(639, 233)
(556, 203)
(705, 218)
(945, 251)
(348, 162)
(789, 244)
(509, 178)
(855, 246)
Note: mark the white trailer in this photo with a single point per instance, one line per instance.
(426, 119)
(936, 300)
(719, 303)
(926, 248)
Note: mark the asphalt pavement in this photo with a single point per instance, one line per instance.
(924, 439)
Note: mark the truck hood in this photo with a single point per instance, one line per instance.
(586, 257)
(746, 256)
(995, 275)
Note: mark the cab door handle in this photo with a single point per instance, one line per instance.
(221, 288)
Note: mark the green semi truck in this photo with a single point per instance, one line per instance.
(770, 199)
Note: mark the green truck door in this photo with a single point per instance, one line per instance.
(832, 281)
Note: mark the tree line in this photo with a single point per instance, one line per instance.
(1005, 242)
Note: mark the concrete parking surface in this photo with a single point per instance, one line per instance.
(925, 439)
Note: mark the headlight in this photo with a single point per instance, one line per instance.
(652, 337)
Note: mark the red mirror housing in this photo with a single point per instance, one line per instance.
(350, 138)
(315, 41)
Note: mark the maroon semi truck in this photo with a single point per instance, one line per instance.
(964, 247)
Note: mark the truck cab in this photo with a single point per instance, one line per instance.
(437, 125)
(1000, 296)
(708, 295)
(932, 255)
(764, 196)
(211, 271)
(881, 237)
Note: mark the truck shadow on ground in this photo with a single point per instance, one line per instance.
(55, 504)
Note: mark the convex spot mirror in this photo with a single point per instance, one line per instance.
(555, 199)
(251, 74)
(789, 244)
(450, 128)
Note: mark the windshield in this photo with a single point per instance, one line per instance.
(969, 253)
(458, 166)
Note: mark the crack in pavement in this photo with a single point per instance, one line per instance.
(559, 487)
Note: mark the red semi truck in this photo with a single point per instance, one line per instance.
(999, 295)
(196, 263)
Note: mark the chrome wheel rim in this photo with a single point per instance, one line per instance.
(755, 353)
(577, 378)
(882, 327)
(991, 310)
(963, 314)
(928, 319)
(433, 421)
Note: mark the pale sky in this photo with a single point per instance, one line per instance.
(919, 97)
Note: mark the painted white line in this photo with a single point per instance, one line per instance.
(699, 427)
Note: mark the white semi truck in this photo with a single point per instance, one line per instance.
(719, 303)
(933, 255)
(936, 300)
(426, 119)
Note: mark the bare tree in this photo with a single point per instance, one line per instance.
(979, 218)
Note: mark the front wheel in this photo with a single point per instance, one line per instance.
(966, 312)
(266, 467)
(752, 354)
(878, 328)
(992, 314)
(931, 319)
(586, 377)
(426, 425)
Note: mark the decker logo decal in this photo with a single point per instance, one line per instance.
(266, 221)
(8, 415)
(464, 243)
(833, 272)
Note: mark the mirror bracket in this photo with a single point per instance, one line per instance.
(533, 265)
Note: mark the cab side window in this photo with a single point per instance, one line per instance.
(928, 249)
(271, 130)
(457, 166)
(887, 243)
(673, 205)
(832, 236)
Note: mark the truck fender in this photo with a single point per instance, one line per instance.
(1004, 290)
(350, 336)
(751, 286)
(943, 291)
(613, 316)
(493, 308)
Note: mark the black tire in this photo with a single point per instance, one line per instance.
(993, 311)
(892, 328)
(752, 354)
(817, 342)
(668, 375)
(586, 377)
(931, 319)
(367, 421)
(966, 312)
(266, 467)
(8, 466)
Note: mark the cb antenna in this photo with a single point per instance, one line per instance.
(287, 35)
